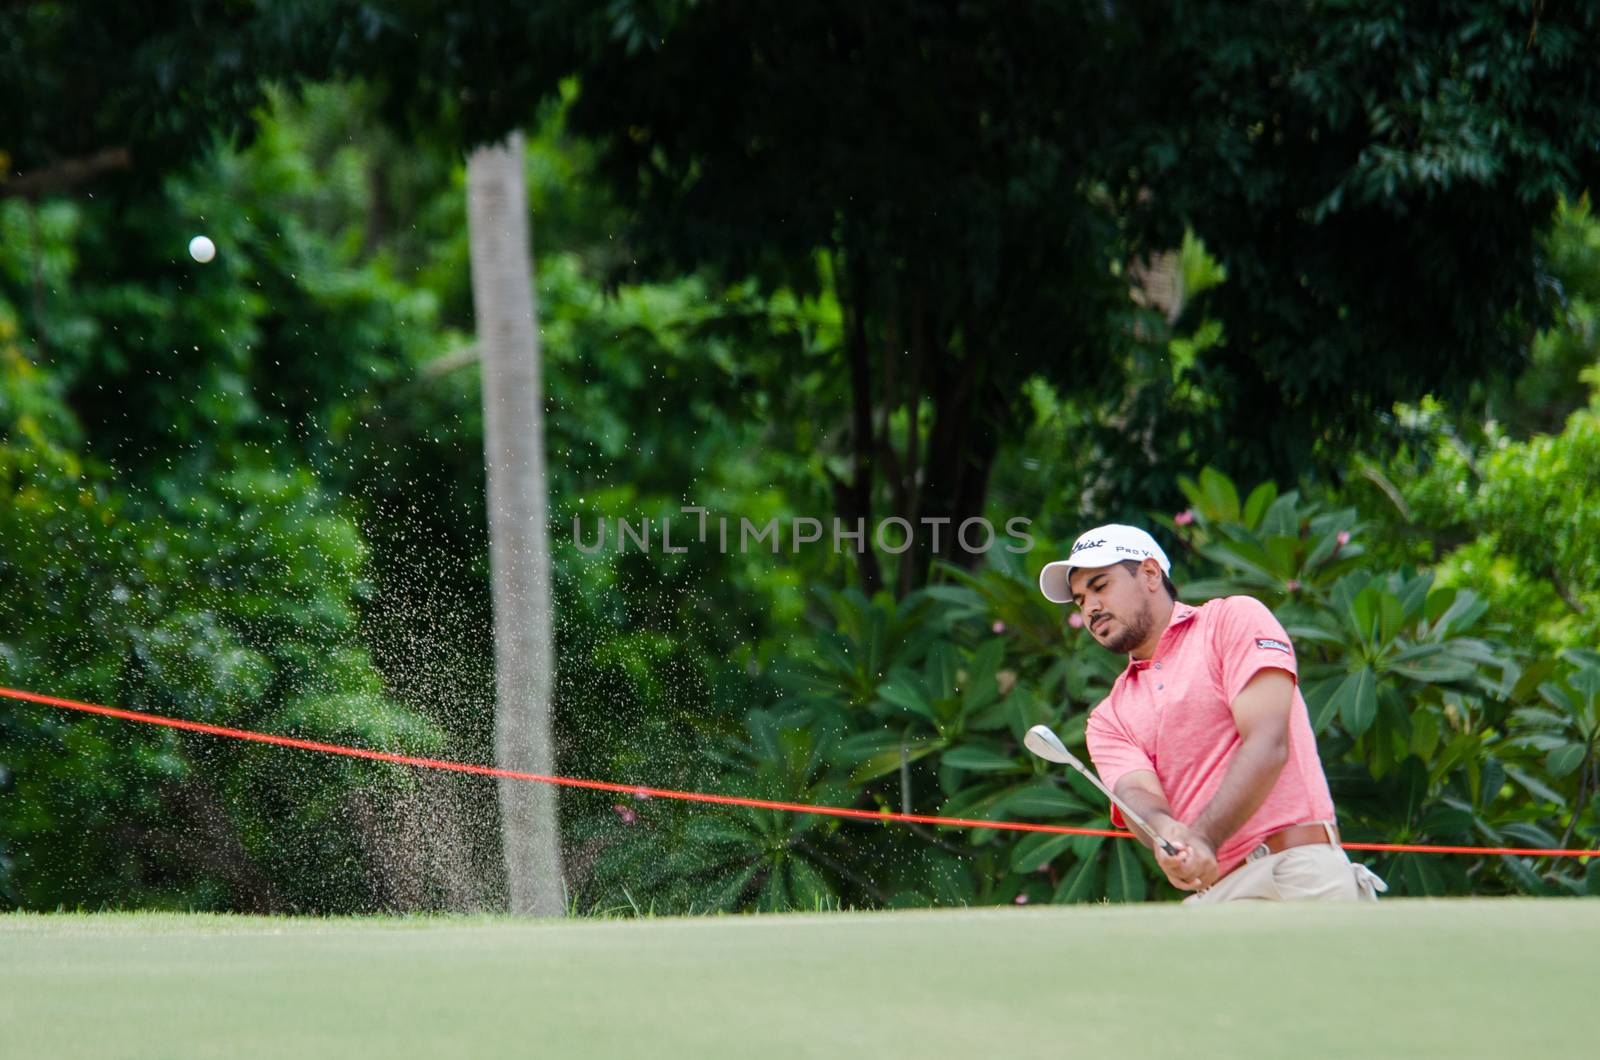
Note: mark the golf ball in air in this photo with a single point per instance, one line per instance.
(202, 249)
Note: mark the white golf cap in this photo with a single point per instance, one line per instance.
(1100, 547)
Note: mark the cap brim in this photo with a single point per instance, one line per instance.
(1053, 582)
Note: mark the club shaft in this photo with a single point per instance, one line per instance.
(1133, 818)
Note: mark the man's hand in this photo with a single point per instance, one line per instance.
(1195, 866)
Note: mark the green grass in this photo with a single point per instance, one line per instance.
(1407, 978)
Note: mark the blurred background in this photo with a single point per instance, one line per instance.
(1308, 288)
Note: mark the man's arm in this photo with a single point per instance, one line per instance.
(1141, 790)
(1261, 712)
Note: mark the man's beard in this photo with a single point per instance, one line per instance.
(1134, 633)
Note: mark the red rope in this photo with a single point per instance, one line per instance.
(685, 796)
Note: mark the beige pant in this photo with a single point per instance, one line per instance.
(1313, 871)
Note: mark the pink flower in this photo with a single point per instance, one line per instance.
(640, 796)
(998, 627)
(627, 815)
(1021, 899)
(1185, 517)
(1343, 538)
(1075, 620)
(1293, 585)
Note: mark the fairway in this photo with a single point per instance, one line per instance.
(1408, 978)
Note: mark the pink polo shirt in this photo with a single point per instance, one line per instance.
(1171, 714)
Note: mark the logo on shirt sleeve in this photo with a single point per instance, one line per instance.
(1275, 645)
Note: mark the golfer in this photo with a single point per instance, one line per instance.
(1205, 734)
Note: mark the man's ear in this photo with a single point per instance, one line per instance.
(1151, 569)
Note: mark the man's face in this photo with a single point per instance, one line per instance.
(1115, 605)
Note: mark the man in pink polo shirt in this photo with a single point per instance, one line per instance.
(1205, 734)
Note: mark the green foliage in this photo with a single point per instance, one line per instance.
(300, 499)
(916, 705)
(1367, 182)
(1541, 398)
(231, 600)
(1275, 547)
(1519, 517)
(113, 87)
(1541, 500)
(1501, 494)
(767, 860)
(1370, 177)
(1373, 175)
(180, 525)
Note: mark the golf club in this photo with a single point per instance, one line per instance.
(1048, 746)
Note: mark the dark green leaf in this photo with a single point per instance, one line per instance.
(1322, 703)
(1035, 851)
(1256, 506)
(1565, 759)
(1044, 800)
(904, 690)
(1125, 875)
(979, 760)
(886, 762)
(1084, 882)
(1530, 834)
(1356, 701)
(1525, 877)
(1420, 877)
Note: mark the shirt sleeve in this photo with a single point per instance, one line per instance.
(1114, 752)
(1249, 639)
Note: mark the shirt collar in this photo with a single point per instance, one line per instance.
(1181, 613)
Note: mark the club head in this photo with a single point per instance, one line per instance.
(1047, 745)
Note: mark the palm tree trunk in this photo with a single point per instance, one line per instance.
(519, 549)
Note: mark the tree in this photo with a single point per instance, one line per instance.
(1375, 177)
(938, 161)
(519, 549)
(93, 90)
(979, 184)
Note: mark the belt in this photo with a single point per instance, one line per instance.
(1296, 835)
(1300, 835)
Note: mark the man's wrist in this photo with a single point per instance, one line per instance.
(1160, 820)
